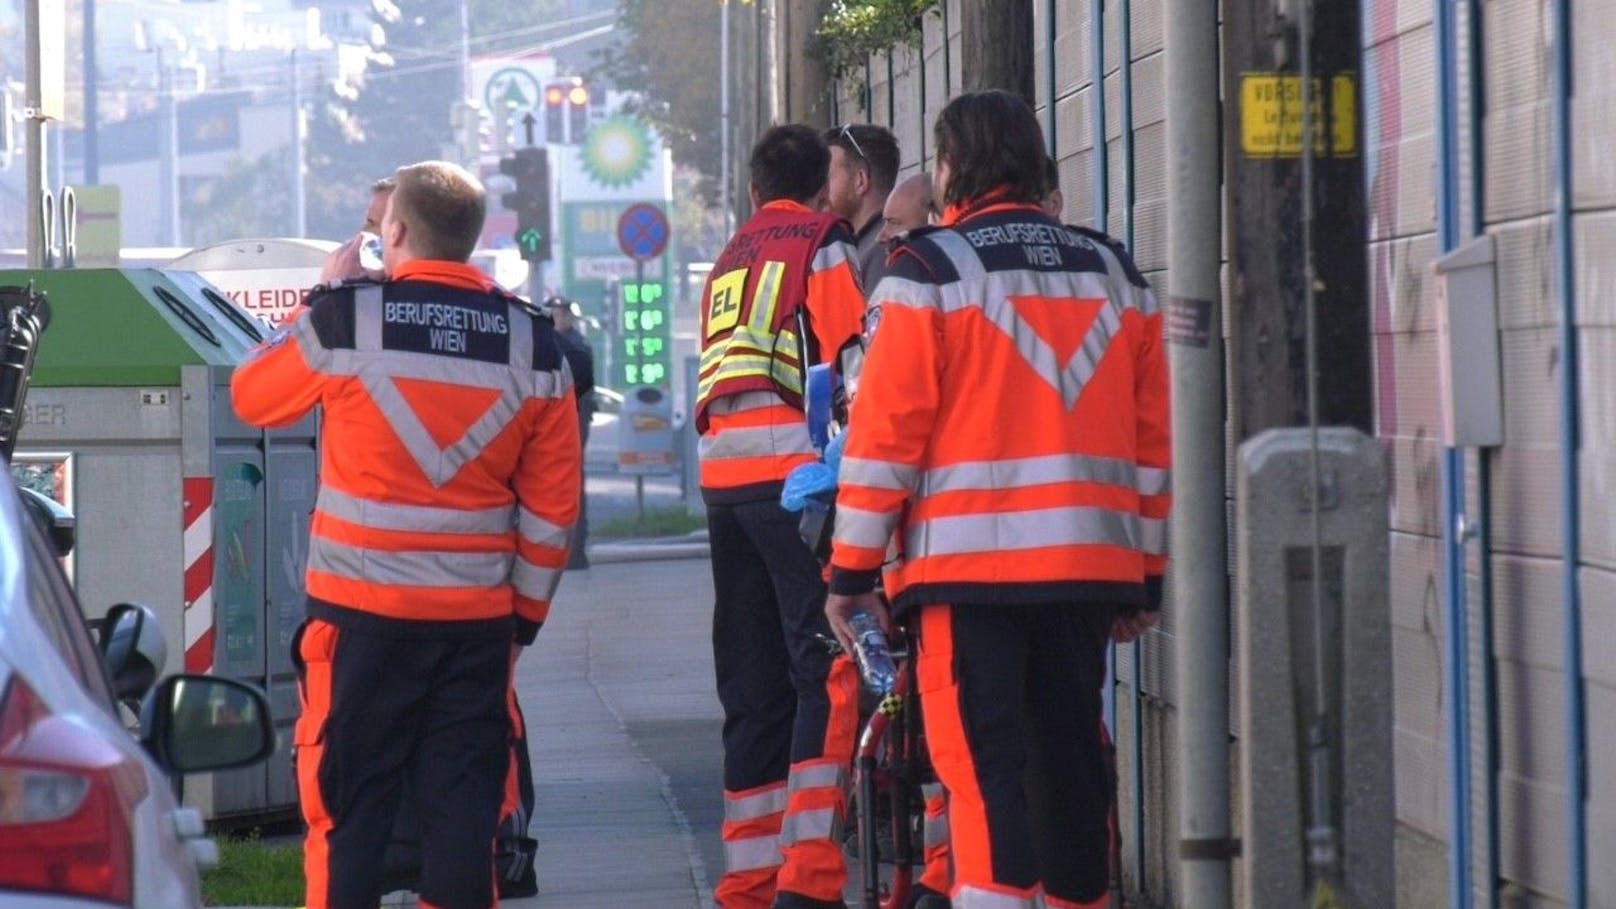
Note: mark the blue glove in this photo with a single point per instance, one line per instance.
(808, 485)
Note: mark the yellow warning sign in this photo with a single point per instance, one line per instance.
(1271, 116)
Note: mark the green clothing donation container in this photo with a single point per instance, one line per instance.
(180, 505)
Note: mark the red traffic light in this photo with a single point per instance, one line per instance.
(554, 95)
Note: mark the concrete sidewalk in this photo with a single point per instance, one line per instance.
(623, 729)
(626, 642)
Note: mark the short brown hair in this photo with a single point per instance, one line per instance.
(443, 206)
(872, 147)
(790, 162)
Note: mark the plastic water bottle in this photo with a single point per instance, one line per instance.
(873, 655)
(370, 251)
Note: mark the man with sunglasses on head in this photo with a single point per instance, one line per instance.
(863, 167)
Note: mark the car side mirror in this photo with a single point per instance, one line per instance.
(133, 649)
(60, 527)
(201, 723)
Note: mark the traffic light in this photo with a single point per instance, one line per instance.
(530, 200)
(555, 112)
(577, 114)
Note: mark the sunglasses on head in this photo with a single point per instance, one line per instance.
(847, 133)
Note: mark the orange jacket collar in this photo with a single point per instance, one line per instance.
(785, 205)
(992, 200)
(440, 271)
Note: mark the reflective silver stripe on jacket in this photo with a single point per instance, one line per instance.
(752, 853)
(970, 897)
(315, 354)
(752, 807)
(833, 254)
(410, 568)
(1017, 473)
(412, 518)
(756, 442)
(877, 474)
(378, 370)
(1155, 481)
(864, 529)
(904, 292)
(533, 581)
(1153, 535)
(540, 532)
(745, 401)
(1014, 530)
(998, 289)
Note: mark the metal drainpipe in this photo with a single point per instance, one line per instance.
(1484, 477)
(1453, 491)
(920, 51)
(1125, 71)
(1570, 483)
(1102, 217)
(1050, 12)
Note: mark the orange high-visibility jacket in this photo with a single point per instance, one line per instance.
(449, 464)
(1010, 438)
(788, 260)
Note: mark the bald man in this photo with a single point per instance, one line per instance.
(909, 206)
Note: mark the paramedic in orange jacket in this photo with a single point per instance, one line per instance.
(784, 292)
(1010, 439)
(448, 484)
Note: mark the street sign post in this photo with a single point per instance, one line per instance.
(642, 231)
(642, 235)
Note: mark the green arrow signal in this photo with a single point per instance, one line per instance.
(530, 239)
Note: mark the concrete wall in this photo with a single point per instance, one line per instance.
(1399, 117)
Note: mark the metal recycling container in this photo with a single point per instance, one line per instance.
(180, 505)
(645, 432)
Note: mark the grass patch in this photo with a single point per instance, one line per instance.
(658, 522)
(252, 872)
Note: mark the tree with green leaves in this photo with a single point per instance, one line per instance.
(399, 113)
(670, 58)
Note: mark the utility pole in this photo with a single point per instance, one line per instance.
(92, 102)
(1263, 173)
(1200, 555)
(168, 176)
(804, 89)
(724, 198)
(465, 50)
(997, 46)
(34, 127)
(300, 213)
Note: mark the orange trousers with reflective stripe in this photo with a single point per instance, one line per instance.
(377, 711)
(1011, 700)
(790, 711)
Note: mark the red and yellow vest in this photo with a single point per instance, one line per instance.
(749, 323)
(784, 289)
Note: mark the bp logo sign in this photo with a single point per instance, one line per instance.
(617, 152)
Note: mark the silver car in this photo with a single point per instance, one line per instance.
(88, 815)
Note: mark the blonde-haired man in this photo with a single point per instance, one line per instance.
(448, 488)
